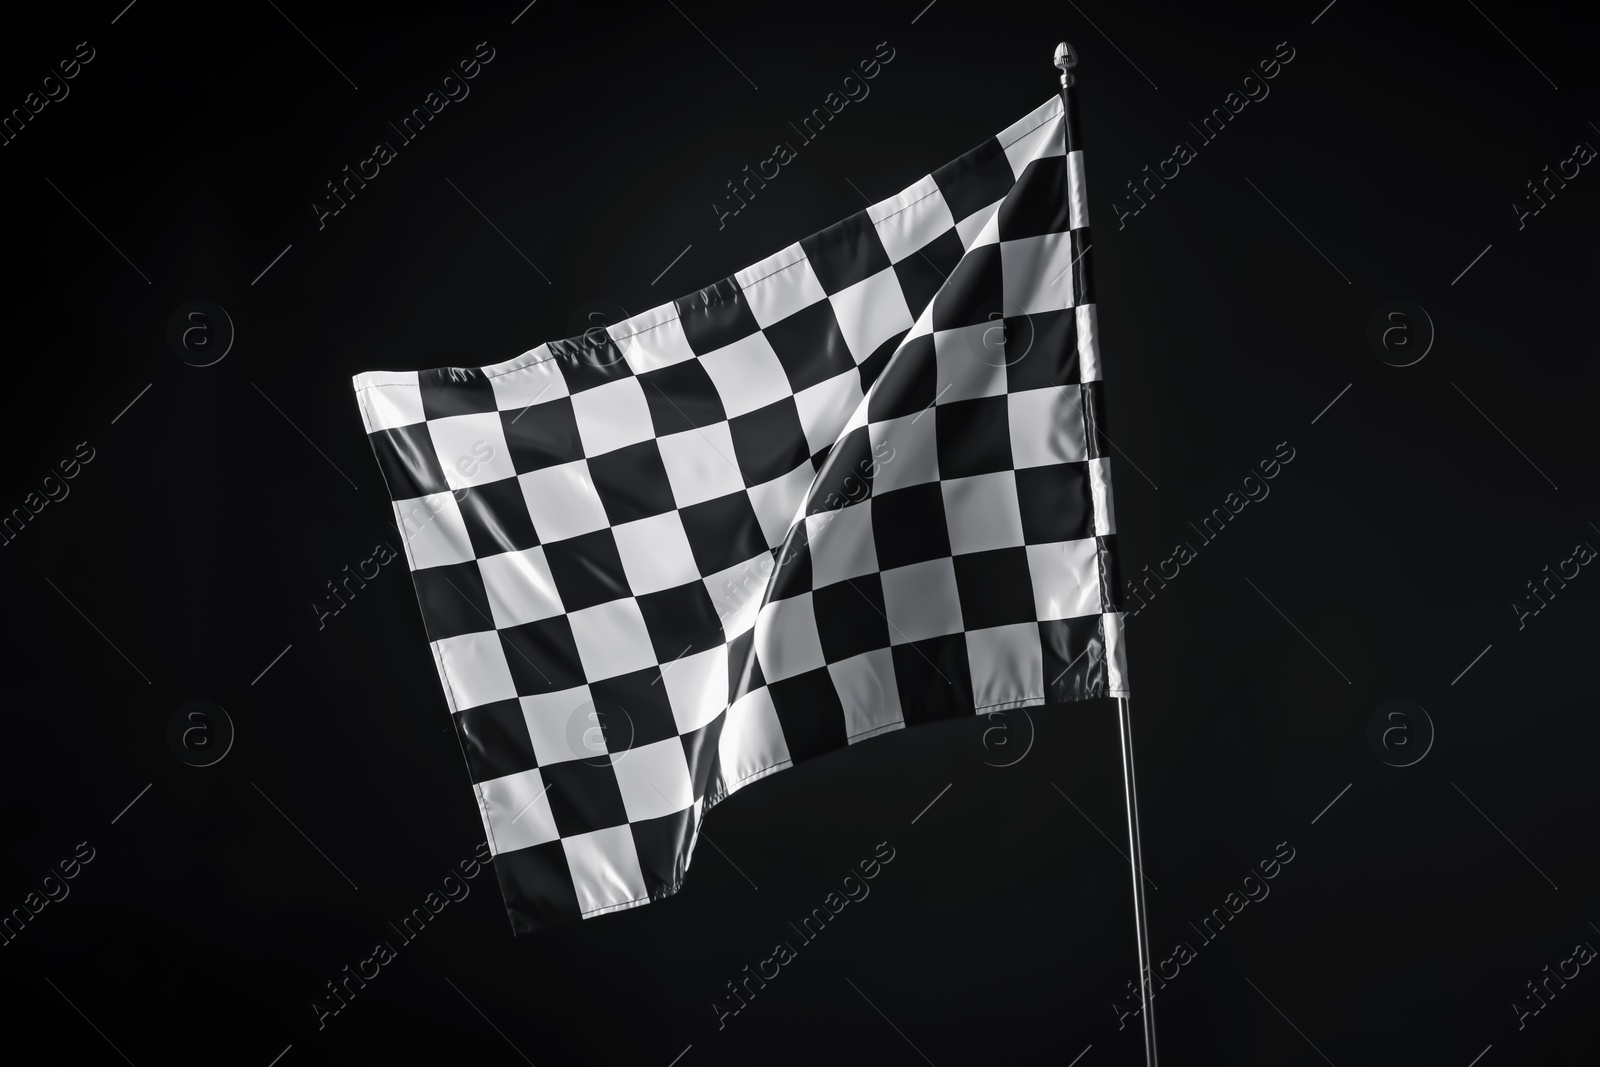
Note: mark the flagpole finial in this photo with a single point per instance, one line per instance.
(1066, 62)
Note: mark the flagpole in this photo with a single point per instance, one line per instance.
(1066, 60)
(1141, 923)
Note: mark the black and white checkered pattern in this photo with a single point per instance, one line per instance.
(854, 487)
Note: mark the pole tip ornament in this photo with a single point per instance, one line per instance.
(1066, 62)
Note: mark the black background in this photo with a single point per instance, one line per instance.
(190, 548)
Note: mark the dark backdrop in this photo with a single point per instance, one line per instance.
(1236, 306)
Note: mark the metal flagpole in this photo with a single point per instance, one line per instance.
(1066, 60)
(1141, 924)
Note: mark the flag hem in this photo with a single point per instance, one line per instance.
(373, 379)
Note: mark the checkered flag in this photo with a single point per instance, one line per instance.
(856, 486)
